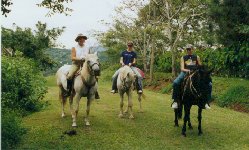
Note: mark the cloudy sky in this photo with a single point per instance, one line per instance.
(84, 19)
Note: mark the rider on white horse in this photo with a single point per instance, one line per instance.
(78, 55)
(128, 57)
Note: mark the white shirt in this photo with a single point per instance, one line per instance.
(81, 51)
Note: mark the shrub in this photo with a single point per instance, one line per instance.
(23, 85)
(237, 94)
(12, 130)
(167, 89)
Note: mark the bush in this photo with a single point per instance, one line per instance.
(237, 94)
(12, 130)
(167, 89)
(23, 85)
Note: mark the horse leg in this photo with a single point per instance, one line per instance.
(176, 117)
(130, 104)
(63, 101)
(88, 111)
(71, 104)
(121, 114)
(199, 120)
(189, 122)
(140, 102)
(186, 116)
(75, 113)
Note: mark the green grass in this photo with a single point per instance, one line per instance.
(223, 128)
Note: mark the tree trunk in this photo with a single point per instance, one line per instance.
(152, 59)
(174, 71)
(144, 53)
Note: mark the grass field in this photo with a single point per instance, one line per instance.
(154, 129)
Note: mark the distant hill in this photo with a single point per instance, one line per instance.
(63, 56)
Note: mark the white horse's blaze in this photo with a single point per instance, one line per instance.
(85, 85)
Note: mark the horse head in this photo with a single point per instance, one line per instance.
(93, 65)
(127, 77)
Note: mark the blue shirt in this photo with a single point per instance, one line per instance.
(128, 57)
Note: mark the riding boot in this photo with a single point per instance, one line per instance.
(114, 84)
(69, 86)
(97, 95)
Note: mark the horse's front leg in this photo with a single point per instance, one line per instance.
(121, 114)
(63, 101)
(189, 122)
(130, 104)
(186, 118)
(75, 113)
(89, 101)
(199, 121)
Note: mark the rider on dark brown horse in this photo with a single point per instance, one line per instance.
(189, 62)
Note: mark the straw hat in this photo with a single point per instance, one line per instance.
(80, 36)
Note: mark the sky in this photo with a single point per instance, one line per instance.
(85, 18)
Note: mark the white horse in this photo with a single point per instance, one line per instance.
(125, 84)
(85, 85)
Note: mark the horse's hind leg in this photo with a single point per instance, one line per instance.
(89, 101)
(140, 102)
(199, 120)
(63, 101)
(121, 114)
(176, 117)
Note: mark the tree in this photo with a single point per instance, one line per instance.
(54, 6)
(32, 44)
(232, 18)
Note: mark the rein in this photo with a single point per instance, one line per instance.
(191, 86)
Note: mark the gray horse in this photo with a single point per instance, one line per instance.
(125, 84)
(85, 85)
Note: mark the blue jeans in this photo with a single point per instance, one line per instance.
(177, 85)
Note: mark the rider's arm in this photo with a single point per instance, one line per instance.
(121, 61)
(133, 62)
(182, 66)
(73, 55)
(199, 60)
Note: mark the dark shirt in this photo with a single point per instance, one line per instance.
(190, 62)
(128, 57)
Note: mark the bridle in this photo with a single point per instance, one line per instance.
(91, 73)
(124, 85)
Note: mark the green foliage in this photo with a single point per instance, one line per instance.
(60, 57)
(236, 94)
(23, 85)
(32, 44)
(167, 89)
(12, 130)
(232, 19)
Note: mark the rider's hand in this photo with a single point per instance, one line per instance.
(82, 59)
(130, 64)
(122, 64)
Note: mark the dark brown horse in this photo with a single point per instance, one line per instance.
(194, 91)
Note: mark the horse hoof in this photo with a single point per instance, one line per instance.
(74, 125)
(141, 111)
(200, 133)
(190, 128)
(131, 117)
(126, 112)
(87, 124)
(120, 115)
(176, 125)
(184, 134)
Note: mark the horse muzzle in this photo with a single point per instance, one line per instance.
(97, 72)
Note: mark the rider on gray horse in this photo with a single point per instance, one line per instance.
(188, 62)
(128, 57)
(78, 55)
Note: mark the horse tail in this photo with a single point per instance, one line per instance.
(143, 96)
